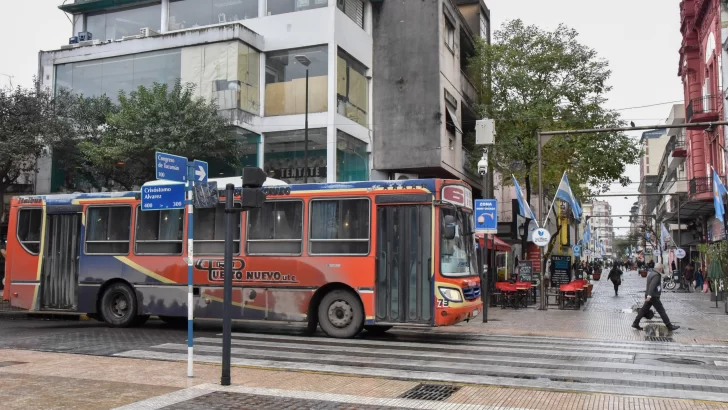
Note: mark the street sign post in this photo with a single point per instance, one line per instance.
(486, 216)
(577, 251)
(680, 253)
(541, 237)
(158, 196)
(170, 167)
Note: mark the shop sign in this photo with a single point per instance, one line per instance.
(288, 173)
(525, 271)
(560, 270)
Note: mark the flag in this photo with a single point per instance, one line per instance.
(587, 234)
(664, 235)
(525, 210)
(564, 193)
(718, 191)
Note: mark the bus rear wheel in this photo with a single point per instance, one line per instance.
(341, 314)
(119, 306)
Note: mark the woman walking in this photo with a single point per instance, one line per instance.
(615, 275)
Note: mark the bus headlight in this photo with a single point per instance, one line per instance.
(451, 294)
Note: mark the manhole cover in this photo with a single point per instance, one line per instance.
(677, 360)
(433, 392)
(658, 339)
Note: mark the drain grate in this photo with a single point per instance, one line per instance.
(432, 392)
(658, 339)
(677, 360)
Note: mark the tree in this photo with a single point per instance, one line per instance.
(162, 119)
(28, 125)
(536, 80)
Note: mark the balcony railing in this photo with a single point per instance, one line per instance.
(702, 106)
(700, 186)
(468, 88)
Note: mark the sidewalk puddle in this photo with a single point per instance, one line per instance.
(678, 360)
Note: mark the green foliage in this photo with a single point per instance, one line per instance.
(715, 251)
(157, 119)
(28, 124)
(537, 80)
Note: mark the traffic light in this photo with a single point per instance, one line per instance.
(251, 196)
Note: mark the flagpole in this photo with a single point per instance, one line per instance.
(552, 202)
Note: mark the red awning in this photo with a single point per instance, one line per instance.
(500, 245)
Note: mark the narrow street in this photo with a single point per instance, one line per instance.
(585, 355)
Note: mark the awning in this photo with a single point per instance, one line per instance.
(500, 245)
(97, 5)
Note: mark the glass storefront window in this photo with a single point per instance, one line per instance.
(352, 159)
(283, 156)
(219, 169)
(117, 24)
(111, 75)
(195, 13)
(352, 93)
(285, 81)
(289, 6)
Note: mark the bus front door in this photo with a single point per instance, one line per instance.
(59, 275)
(404, 264)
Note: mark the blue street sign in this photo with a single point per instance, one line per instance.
(171, 167)
(577, 250)
(486, 216)
(200, 168)
(158, 195)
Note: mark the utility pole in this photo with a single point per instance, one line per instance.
(485, 135)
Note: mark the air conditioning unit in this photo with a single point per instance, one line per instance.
(400, 177)
(147, 32)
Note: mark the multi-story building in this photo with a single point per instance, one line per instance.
(700, 69)
(387, 82)
(602, 226)
(653, 145)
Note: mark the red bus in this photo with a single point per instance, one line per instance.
(344, 256)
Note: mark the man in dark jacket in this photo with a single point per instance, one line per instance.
(615, 275)
(652, 298)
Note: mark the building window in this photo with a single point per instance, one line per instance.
(127, 73)
(352, 91)
(289, 6)
(159, 232)
(222, 169)
(354, 9)
(209, 232)
(352, 159)
(339, 227)
(276, 229)
(285, 81)
(449, 34)
(483, 26)
(117, 24)
(196, 13)
(284, 155)
(30, 222)
(108, 230)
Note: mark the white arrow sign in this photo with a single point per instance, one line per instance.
(200, 173)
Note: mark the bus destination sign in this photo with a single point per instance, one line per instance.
(458, 195)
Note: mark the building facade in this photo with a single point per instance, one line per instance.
(250, 57)
(700, 68)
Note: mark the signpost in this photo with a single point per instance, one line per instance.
(200, 168)
(680, 253)
(486, 216)
(541, 237)
(577, 251)
(170, 167)
(158, 196)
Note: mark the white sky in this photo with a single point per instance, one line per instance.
(640, 39)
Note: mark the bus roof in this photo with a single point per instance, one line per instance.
(68, 199)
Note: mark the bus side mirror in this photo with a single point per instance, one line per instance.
(449, 228)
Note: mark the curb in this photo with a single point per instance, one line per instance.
(44, 315)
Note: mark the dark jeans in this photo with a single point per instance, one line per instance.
(616, 287)
(658, 307)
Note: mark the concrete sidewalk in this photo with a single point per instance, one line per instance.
(34, 380)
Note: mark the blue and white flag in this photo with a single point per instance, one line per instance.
(587, 233)
(525, 210)
(718, 191)
(564, 193)
(664, 236)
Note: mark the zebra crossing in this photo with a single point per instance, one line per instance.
(655, 369)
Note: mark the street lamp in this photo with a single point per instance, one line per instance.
(302, 59)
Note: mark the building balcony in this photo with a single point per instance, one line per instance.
(677, 145)
(703, 109)
(468, 89)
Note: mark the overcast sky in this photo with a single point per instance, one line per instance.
(639, 38)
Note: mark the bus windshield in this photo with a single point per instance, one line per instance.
(457, 255)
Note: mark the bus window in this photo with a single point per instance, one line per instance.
(158, 232)
(29, 225)
(276, 229)
(339, 227)
(107, 230)
(210, 231)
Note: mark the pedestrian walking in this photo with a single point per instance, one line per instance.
(652, 298)
(615, 275)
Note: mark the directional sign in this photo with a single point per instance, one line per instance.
(541, 237)
(680, 253)
(577, 250)
(158, 196)
(200, 168)
(171, 167)
(486, 216)
(587, 252)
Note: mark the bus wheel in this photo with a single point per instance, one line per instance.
(341, 314)
(119, 306)
(377, 329)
